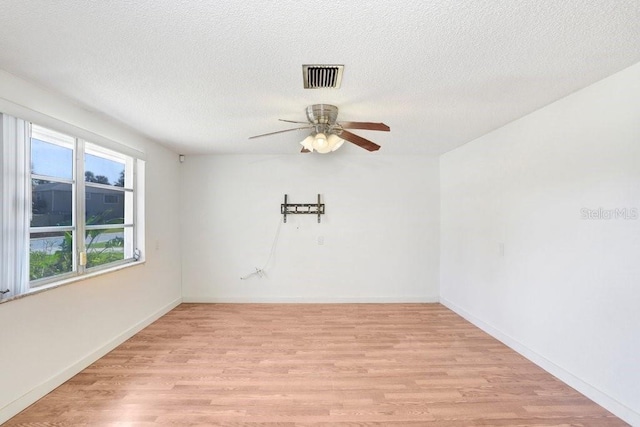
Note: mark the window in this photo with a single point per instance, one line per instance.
(52, 228)
(69, 207)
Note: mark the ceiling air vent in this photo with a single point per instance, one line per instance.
(322, 76)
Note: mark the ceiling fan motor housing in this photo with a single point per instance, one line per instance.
(324, 114)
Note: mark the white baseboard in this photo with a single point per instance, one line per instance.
(309, 300)
(620, 410)
(47, 386)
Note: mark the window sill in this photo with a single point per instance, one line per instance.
(70, 280)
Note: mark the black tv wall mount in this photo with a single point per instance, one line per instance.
(301, 208)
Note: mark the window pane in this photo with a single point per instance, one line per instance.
(51, 159)
(104, 206)
(104, 246)
(51, 203)
(50, 254)
(103, 171)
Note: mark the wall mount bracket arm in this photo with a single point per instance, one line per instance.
(287, 208)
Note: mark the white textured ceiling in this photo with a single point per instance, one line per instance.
(203, 76)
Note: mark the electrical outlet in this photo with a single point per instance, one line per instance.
(320, 240)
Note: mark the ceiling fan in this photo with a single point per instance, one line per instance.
(327, 134)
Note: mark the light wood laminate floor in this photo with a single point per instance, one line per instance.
(313, 364)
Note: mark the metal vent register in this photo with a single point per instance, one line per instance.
(322, 76)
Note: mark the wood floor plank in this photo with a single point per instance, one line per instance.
(316, 365)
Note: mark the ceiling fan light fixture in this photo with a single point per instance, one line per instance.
(321, 144)
(335, 141)
(307, 143)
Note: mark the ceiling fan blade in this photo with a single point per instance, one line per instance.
(280, 131)
(293, 121)
(304, 150)
(359, 141)
(365, 125)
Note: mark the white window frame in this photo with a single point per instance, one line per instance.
(129, 224)
(52, 137)
(132, 197)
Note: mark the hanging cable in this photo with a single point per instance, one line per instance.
(260, 271)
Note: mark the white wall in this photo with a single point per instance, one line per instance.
(48, 337)
(566, 290)
(380, 229)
